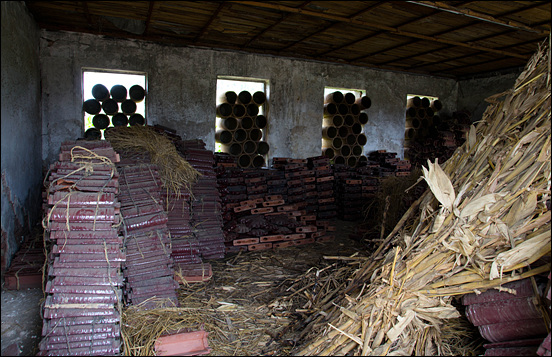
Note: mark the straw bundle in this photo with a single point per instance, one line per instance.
(482, 223)
(174, 171)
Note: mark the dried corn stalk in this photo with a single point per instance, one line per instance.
(482, 223)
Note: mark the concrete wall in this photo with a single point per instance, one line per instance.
(472, 92)
(182, 91)
(21, 126)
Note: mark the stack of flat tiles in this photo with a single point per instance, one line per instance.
(389, 164)
(185, 246)
(512, 324)
(206, 204)
(81, 311)
(276, 183)
(25, 271)
(148, 268)
(348, 189)
(327, 208)
(255, 182)
(266, 223)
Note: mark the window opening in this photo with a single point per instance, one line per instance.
(343, 136)
(427, 135)
(241, 120)
(112, 98)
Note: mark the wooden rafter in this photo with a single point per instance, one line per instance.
(221, 6)
(442, 6)
(148, 18)
(282, 19)
(390, 29)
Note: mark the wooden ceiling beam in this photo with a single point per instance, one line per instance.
(148, 18)
(282, 19)
(390, 29)
(442, 6)
(209, 22)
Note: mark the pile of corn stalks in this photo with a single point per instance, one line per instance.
(482, 223)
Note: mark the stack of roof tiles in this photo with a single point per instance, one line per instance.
(269, 222)
(324, 175)
(25, 271)
(81, 314)
(513, 324)
(148, 268)
(255, 183)
(206, 217)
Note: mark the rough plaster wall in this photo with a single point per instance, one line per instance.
(182, 91)
(21, 126)
(472, 92)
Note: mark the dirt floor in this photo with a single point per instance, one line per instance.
(254, 303)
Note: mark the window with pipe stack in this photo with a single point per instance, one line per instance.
(241, 123)
(112, 98)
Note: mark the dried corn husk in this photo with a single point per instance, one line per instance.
(483, 216)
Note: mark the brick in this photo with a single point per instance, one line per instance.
(325, 238)
(227, 164)
(303, 241)
(326, 200)
(297, 161)
(310, 187)
(306, 229)
(296, 213)
(353, 182)
(279, 245)
(260, 246)
(248, 203)
(262, 210)
(325, 179)
(244, 208)
(295, 236)
(273, 238)
(311, 194)
(274, 197)
(245, 241)
(317, 234)
(255, 180)
(331, 228)
(273, 203)
(287, 208)
(293, 183)
(404, 173)
(309, 179)
(308, 218)
(322, 168)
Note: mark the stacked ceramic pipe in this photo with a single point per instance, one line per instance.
(81, 313)
(429, 135)
(343, 139)
(116, 107)
(324, 175)
(206, 210)
(512, 323)
(241, 127)
(149, 269)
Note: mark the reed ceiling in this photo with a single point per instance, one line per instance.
(453, 39)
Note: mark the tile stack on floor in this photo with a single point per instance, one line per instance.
(348, 191)
(206, 203)
(269, 222)
(149, 268)
(323, 172)
(255, 183)
(25, 271)
(82, 309)
(513, 324)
